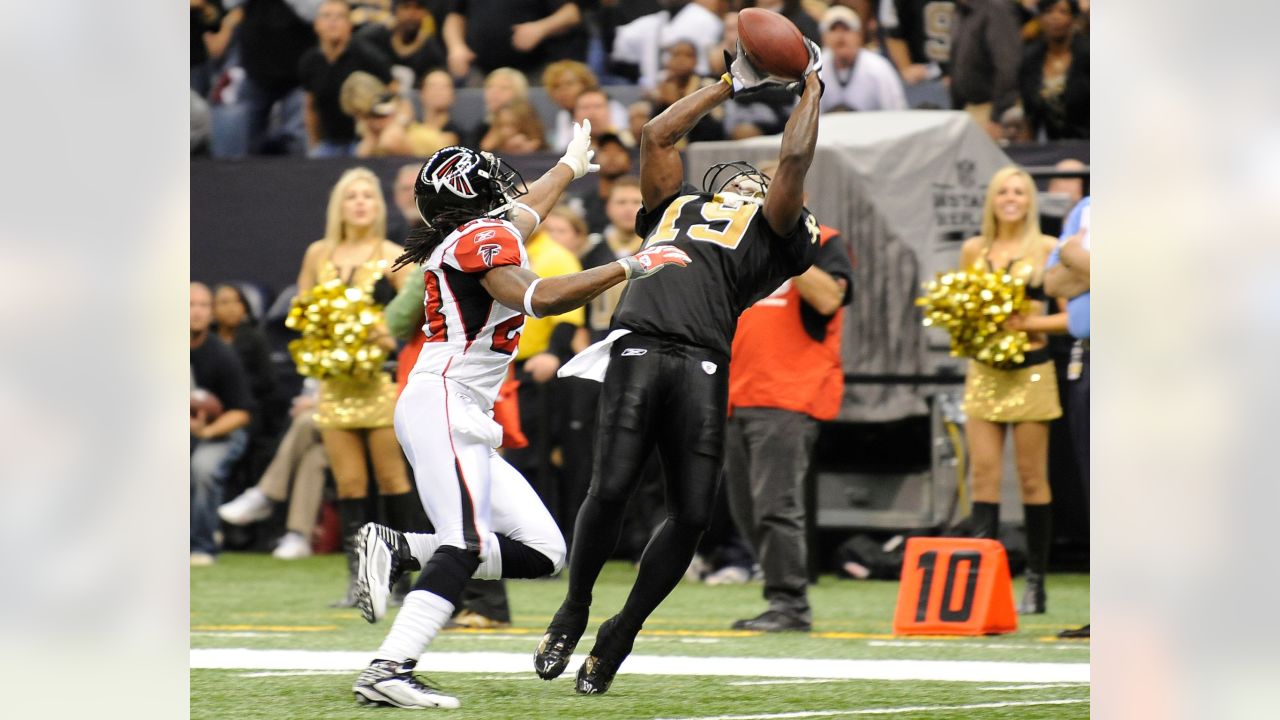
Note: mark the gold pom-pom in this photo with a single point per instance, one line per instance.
(972, 306)
(335, 322)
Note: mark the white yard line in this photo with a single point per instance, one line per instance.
(974, 645)
(883, 711)
(239, 634)
(495, 662)
(1037, 686)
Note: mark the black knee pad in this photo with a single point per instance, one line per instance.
(447, 572)
(521, 561)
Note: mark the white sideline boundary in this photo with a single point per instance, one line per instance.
(495, 662)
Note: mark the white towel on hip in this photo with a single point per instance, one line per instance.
(591, 363)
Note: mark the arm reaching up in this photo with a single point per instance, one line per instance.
(545, 192)
(785, 199)
(661, 170)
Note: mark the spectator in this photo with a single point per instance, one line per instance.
(566, 226)
(855, 80)
(296, 474)
(217, 439)
(986, 49)
(369, 13)
(1071, 188)
(1068, 276)
(595, 105)
(785, 377)
(679, 80)
(918, 37)
(500, 87)
(406, 215)
(324, 69)
(1061, 195)
(411, 40)
(617, 240)
(437, 107)
(1014, 129)
(638, 45)
(355, 415)
(273, 36)
(639, 113)
(1054, 77)
(678, 77)
(872, 34)
(206, 18)
(614, 160)
(384, 120)
(238, 328)
(1022, 399)
(481, 36)
(565, 81)
(516, 130)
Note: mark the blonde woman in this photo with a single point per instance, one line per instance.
(355, 416)
(1024, 399)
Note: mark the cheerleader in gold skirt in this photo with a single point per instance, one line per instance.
(355, 415)
(1022, 399)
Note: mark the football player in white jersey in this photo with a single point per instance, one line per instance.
(488, 521)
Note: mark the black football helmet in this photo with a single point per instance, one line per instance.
(724, 176)
(459, 178)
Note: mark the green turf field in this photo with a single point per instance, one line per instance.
(257, 603)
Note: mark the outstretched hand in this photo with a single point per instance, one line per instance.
(745, 79)
(577, 157)
(650, 261)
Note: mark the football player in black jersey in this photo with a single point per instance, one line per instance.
(668, 376)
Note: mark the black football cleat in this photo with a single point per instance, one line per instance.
(557, 645)
(597, 671)
(553, 653)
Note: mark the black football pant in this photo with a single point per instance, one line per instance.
(657, 394)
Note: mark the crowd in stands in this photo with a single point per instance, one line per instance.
(332, 78)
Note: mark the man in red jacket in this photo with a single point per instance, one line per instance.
(784, 377)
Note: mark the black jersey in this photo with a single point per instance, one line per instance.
(737, 259)
(925, 25)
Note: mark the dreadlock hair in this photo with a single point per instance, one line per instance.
(422, 241)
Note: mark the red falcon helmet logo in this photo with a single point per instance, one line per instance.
(488, 253)
(452, 173)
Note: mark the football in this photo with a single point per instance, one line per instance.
(773, 43)
(207, 402)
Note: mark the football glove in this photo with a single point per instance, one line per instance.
(577, 157)
(744, 78)
(650, 261)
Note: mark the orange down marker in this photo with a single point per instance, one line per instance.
(954, 586)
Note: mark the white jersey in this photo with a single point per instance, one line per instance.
(471, 338)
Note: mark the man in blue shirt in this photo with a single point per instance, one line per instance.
(1068, 276)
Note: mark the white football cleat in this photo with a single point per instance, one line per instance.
(387, 682)
(383, 555)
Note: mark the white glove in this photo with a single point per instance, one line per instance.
(577, 157)
(815, 58)
(745, 78)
